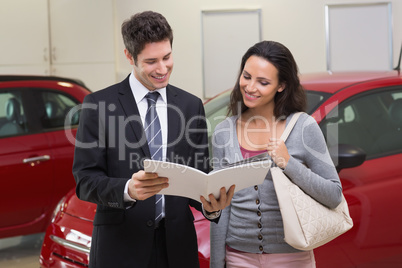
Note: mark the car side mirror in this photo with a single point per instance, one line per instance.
(347, 156)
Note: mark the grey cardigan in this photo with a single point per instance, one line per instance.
(253, 222)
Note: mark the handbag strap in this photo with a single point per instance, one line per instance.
(290, 126)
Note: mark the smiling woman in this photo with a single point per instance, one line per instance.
(269, 91)
(259, 83)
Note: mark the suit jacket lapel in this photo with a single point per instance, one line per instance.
(130, 109)
(175, 120)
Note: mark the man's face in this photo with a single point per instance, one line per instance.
(154, 64)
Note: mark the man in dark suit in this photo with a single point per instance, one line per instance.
(111, 145)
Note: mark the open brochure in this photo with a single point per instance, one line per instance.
(192, 183)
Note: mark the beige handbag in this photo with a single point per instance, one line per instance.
(307, 223)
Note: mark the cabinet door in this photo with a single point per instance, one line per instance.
(24, 37)
(83, 41)
(81, 31)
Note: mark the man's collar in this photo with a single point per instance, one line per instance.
(139, 90)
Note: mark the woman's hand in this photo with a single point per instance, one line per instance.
(278, 152)
(223, 201)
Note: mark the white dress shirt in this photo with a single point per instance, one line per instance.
(139, 92)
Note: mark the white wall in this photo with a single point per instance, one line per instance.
(300, 25)
(70, 38)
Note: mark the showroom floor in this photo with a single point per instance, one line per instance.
(21, 251)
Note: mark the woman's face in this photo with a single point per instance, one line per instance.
(259, 82)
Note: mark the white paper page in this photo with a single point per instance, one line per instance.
(192, 183)
(183, 180)
(242, 176)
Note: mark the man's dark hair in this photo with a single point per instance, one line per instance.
(143, 28)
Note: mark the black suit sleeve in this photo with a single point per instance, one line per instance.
(90, 160)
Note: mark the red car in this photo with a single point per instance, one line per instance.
(35, 154)
(360, 115)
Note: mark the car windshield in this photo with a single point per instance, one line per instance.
(314, 100)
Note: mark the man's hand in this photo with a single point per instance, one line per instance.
(221, 203)
(143, 185)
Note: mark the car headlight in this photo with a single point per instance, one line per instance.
(60, 207)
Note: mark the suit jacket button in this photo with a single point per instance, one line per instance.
(150, 223)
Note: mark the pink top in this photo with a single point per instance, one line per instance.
(248, 153)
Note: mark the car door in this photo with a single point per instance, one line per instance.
(59, 127)
(371, 120)
(25, 164)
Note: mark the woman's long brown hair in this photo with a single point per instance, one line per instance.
(292, 99)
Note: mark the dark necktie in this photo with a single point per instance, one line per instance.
(154, 136)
